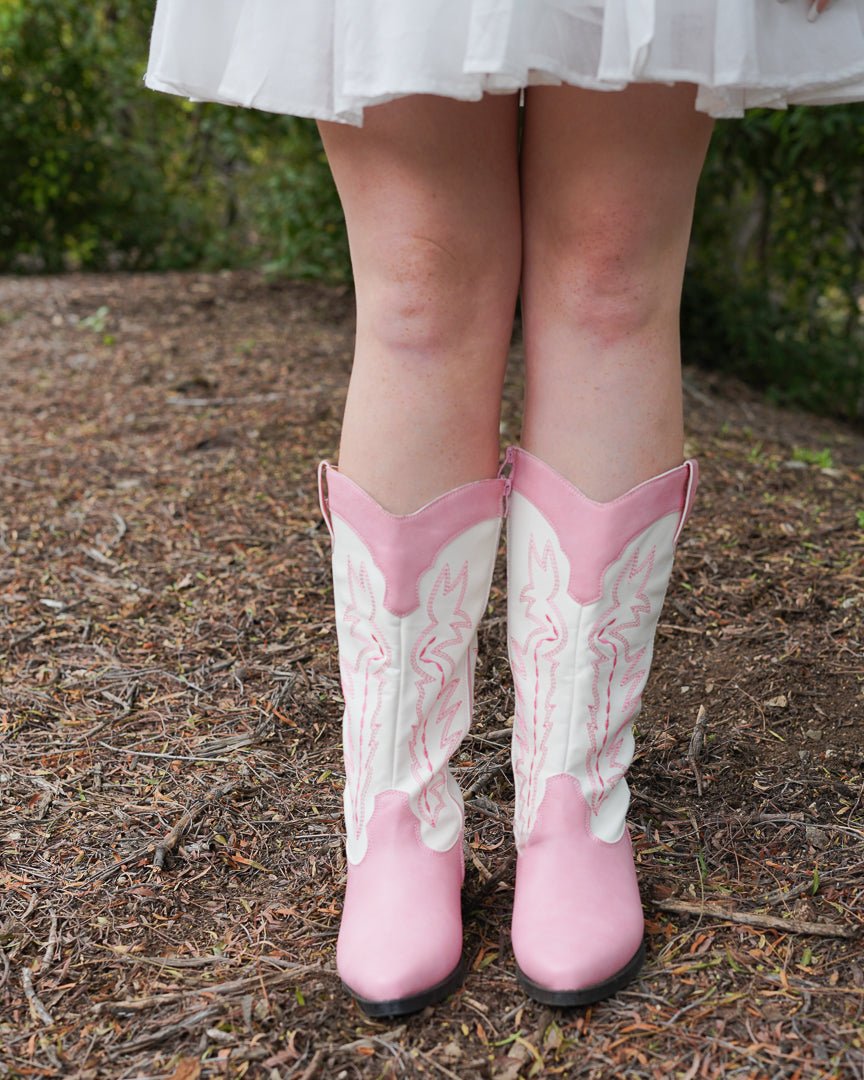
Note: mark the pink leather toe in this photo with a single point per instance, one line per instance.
(577, 915)
(401, 930)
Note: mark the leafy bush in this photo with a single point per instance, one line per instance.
(775, 290)
(83, 182)
(101, 172)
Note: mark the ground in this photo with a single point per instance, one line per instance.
(171, 863)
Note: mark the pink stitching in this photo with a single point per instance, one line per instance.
(550, 628)
(375, 651)
(362, 529)
(689, 472)
(434, 663)
(606, 632)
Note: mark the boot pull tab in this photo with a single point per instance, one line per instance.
(323, 501)
(689, 496)
(505, 473)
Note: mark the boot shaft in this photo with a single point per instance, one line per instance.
(409, 592)
(586, 583)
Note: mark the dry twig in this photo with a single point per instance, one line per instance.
(755, 918)
(314, 1065)
(169, 842)
(51, 947)
(37, 1009)
(697, 744)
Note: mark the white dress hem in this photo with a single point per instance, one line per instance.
(331, 59)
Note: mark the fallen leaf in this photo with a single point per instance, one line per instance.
(187, 1069)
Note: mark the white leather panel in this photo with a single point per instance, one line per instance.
(579, 670)
(408, 681)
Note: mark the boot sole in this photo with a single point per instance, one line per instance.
(589, 994)
(403, 1006)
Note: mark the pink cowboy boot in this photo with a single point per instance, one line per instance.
(586, 582)
(409, 592)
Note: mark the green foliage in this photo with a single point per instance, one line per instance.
(85, 181)
(297, 210)
(100, 172)
(823, 458)
(775, 286)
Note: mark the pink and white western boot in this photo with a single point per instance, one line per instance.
(409, 592)
(586, 582)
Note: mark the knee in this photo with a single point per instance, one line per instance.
(425, 296)
(608, 272)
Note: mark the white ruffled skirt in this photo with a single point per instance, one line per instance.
(329, 59)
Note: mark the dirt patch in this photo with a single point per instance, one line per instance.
(170, 697)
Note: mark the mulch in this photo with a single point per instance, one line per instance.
(171, 861)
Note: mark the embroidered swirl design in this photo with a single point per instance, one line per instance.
(618, 662)
(363, 672)
(534, 661)
(443, 689)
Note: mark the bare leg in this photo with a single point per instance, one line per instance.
(608, 186)
(430, 189)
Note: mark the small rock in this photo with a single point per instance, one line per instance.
(814, 734)
(816, 837)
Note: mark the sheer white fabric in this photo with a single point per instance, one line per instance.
(330, 58)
